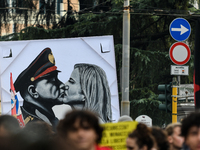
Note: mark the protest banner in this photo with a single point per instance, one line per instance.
(115, 134)
(57, 60)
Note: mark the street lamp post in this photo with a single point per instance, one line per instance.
(125, 104)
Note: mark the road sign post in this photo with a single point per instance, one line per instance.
(179, 70)
(180, 29)
(179, 53)
(174, 101)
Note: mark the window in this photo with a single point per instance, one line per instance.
(18, 4)
(42, 7)
(58, 6)
(47, 5)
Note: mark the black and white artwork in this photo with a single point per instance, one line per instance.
(87, 88)
(52, 77)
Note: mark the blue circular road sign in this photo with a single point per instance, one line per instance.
(180, 29)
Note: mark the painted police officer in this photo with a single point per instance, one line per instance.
(41, 89)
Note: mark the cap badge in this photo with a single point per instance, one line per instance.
(32, 79)
(51, 58)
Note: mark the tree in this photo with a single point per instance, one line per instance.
(24, 13)
(149, 45)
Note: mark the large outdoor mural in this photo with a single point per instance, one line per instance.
(52, 77)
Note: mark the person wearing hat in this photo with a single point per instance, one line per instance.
(41, 89)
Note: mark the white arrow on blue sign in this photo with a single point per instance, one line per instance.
(180, 29)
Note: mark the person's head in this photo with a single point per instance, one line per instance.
(80, 129)
(8, 126)
(88, 86)
(160, 137)
(48, 89)
(125, 118)
(190, 130)
(140, 139)
(39, 81)
(36, 135)
(39, 130)
(175, 138)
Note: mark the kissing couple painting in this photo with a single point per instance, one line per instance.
(40, 88)
(51, 76)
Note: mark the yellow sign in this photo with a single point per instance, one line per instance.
(115, 134)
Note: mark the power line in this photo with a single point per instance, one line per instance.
(79, 4)
(117, 13)
(133, 11)
(156, 12)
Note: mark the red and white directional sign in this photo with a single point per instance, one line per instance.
(179, 53)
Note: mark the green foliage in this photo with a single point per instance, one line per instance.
(149, 106)
(149, 44)
(146, 65)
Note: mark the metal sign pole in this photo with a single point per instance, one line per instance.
(125, 104)
(174, 100)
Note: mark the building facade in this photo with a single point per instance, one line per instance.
(23, 13)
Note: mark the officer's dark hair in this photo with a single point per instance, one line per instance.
(84, 117)
(191, 120)
(143, 136)
(24, 88)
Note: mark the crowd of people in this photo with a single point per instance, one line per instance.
(176, 136)
(80, 130)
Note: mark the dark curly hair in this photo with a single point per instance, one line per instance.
(161, 138)
(143, 136)
(84, 116)
(192, 119)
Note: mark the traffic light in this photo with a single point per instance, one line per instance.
(166, 97)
